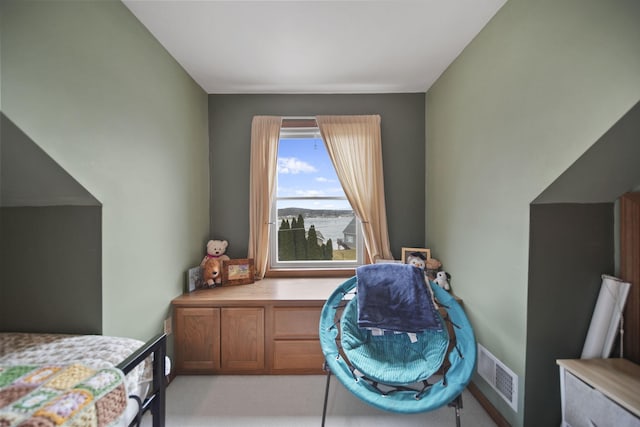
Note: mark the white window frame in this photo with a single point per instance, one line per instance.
(274, 263)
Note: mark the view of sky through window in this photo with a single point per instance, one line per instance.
(305, 170)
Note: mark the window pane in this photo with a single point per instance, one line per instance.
(314, 226)
(305, 170)
(315, 234)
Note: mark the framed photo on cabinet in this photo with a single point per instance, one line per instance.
(238, 271)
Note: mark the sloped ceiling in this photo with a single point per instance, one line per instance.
(608, 169)
(29, 177)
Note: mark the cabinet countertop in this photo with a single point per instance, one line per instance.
(315, 290)
(618, 379)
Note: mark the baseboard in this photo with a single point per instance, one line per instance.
(495, 415)
(171, 377)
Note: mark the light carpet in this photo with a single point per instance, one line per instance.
(291, 401)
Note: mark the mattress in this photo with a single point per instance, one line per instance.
(94, 351)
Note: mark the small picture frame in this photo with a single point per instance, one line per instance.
(238, 272)
(408, 251)
(194, 279)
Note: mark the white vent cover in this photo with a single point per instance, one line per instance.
(501, 378)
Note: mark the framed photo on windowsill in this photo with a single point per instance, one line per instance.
(408, 251)
(238, 272)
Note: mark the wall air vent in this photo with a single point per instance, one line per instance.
(501, 378)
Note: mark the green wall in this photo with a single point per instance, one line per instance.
(91, 86)
(570, 247)
(536, 88)
(402, 128)
(50, 269)
(573, 240)
(50, 243)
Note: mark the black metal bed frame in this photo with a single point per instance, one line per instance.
(155, 401)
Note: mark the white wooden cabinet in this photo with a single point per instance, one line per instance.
(600, 393)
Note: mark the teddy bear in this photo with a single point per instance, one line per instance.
(215, 249)
(432, 267)
(418, 260)
(211, 272)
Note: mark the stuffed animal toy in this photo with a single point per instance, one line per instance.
(211, 272)
(417, 259)
(215, 249)
(442, 280)
(432, 267)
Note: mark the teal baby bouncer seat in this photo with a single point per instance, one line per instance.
(397, 341)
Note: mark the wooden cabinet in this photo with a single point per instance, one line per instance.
(214, 339)
(198, 348)
(269, 327)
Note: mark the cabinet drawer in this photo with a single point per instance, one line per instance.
(298, 355)
(296, 322)
(588, 407)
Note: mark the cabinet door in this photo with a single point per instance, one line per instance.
(242, 336)
(197, 340)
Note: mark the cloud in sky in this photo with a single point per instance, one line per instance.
(323, 179)
(294, 165)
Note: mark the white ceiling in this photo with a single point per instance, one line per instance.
(330, 46)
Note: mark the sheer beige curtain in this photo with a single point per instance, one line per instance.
(265, 133)
(355, 148)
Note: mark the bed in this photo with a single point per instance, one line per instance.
(81, 380)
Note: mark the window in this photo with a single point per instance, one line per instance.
(355, 147)
(313, 224)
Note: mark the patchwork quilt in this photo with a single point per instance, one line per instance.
(94, 351)
(73, 395)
